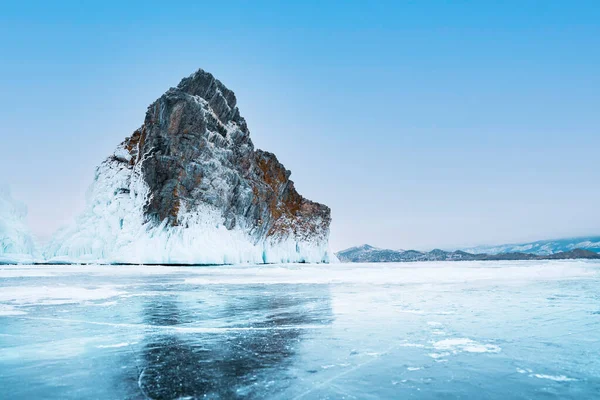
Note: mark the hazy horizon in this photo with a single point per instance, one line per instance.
(421, 127)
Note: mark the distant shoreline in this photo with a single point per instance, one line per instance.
(457, 256)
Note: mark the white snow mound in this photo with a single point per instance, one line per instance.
(113, 229)
(17, 244)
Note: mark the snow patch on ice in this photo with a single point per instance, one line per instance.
(556, 378)
(457, 345)
(438, 355)
(417, 345)
(24, 295)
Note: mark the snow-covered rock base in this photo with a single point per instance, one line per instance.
(113, 229)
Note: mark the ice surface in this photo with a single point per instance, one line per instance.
(6, 309)
(16, 241)
(494, 330)
(113, 229)
(59, 294)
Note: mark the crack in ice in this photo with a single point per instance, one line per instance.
(181, 328)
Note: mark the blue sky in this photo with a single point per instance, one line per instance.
(421, 123)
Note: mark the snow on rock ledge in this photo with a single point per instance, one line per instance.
(16, 241)
(188, 187)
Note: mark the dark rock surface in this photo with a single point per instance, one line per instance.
(194, 149)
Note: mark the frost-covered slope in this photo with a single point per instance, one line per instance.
(16, 241)
(189, 187)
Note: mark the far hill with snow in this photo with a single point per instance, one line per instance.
(367, 253)
(542, 247)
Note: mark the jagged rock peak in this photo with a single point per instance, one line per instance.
(222, 100)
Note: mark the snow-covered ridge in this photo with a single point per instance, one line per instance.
(542, 247)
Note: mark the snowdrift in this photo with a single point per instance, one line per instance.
(17, 244)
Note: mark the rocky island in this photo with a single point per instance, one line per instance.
(189, 187)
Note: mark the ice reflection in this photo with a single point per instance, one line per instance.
(230, 362)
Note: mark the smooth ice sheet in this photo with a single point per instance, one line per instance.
(496, 330)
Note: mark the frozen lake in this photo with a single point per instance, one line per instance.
(481, 330)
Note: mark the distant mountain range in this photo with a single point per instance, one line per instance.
(542, 247)
(367, 253)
